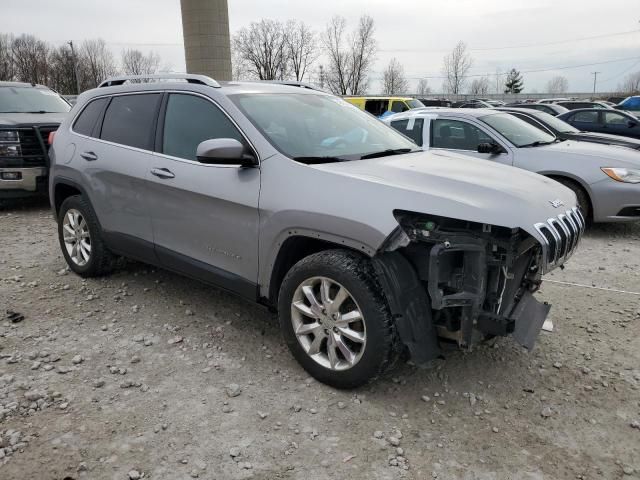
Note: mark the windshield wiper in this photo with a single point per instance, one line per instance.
(319, 160)
(538, 143)
(388, 152)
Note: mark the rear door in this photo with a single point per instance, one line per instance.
(205, 216)
(115, 165)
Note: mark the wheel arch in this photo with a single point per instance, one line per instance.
(563, 176)
(64, 188)
(294, 248)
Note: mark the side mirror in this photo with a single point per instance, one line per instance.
(489, 148)
(224, 151)
(631, 123)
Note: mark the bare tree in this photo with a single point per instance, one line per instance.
(263, 46)
(96, 62)
(134, 62)
(558, 84)
(61, 69)
(338, 72)
(393, 79)
(363, 53)
(302, 49)
(423, 87)
(479, 86)
(30, 59)
(350, 57)
(631, 84)
(7, 70)
(455, 67)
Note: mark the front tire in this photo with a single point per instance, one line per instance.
(81, 240)
(334, 319)
(581, 195)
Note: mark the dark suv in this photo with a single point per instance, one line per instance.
(28, 114)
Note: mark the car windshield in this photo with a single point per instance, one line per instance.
(415, 103)
(517, 131)
(321, 127)
(31, 100)
(555, 123)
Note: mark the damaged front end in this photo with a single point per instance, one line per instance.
(467, 281)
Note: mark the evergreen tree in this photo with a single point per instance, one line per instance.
(514, 83)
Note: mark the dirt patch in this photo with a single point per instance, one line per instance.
(145, 374)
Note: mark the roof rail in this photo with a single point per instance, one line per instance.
(293, 83)
(190, 78)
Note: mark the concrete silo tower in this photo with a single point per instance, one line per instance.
(207, 45)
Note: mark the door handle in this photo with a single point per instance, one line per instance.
(162, 173)
(89, 156)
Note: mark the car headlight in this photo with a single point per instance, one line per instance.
(10, 150)
(626, 175)
(10, 143)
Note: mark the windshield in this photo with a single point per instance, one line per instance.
(31, 100)
(415, 103)
(517, 131)
(555, 123)
(303, 126)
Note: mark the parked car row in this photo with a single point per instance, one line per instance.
(365, 244)
(605, 179)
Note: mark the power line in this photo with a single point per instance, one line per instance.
(511, 47)
(618, 75)
(546, 69)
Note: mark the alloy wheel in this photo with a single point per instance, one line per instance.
(328, 323)
(76, 236)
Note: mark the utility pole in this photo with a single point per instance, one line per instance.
(75, 66)
(595, 77)
(321, 77)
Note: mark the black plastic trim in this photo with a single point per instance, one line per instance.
(206, 273)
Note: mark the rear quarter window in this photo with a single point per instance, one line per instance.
(130, 120)
(88, 118)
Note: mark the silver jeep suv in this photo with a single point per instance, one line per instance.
(292, 197)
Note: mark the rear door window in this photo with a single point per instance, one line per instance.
(87, 119)
(585, 117)
(190, 120)
(130, 120)
(411, 127)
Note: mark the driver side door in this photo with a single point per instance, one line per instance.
(464, 137)
(204, 216)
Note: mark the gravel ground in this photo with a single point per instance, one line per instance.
(145, 374)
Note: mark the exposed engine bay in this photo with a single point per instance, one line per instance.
(477, 281)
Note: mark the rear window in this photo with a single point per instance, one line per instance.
(87, 119)
(130, 120)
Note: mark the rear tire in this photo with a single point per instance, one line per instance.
(81, 240)
(349, 280)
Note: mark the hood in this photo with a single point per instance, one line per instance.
(605, 155)
(609, 139)
(30, 119)
(455, 186)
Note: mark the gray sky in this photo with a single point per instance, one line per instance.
(501, 34)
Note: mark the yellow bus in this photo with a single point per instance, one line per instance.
(379, 106)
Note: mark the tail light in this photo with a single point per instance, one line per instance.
(50, 139)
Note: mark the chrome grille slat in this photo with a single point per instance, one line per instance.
(560, 237)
